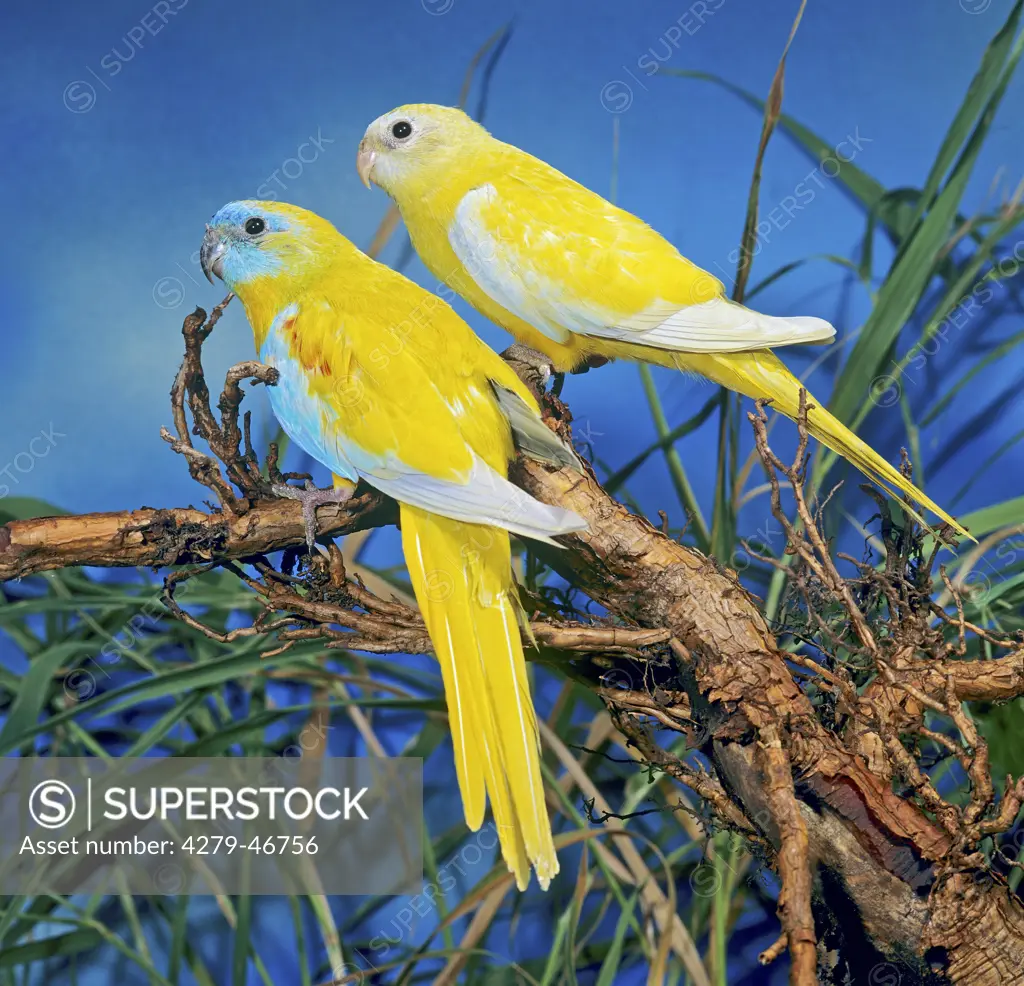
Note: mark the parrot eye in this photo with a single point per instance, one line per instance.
(402, 129)
(255, 226)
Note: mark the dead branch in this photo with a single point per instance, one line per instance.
(793, 860)
(179, 536)
(810, 792)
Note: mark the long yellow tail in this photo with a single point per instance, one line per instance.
(762, 374)
(462, 577)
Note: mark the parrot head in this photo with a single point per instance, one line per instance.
(250, 240)
(420, 141)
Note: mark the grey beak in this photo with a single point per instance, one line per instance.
(211, 254)
(365, 160)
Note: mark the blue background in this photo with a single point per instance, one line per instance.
(103, 210)
(120, 143)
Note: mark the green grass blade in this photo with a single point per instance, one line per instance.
(621, 476)
(44, 949)
(610, 966)
(677, 473)
(179, 930)
(26, 507)
(980, 91)
(34, 691)
(992, 356)
(912, 271)
(979, 471)
(868, 190)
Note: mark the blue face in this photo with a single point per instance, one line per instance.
(237, 241)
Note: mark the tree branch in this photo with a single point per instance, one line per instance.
(813, 793)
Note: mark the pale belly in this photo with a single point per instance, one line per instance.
(302, 415)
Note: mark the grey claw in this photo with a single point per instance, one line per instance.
(311, 498)
(533, 367)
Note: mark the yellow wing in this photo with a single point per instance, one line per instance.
(389, 384)
(564, 260)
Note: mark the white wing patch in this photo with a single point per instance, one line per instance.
(717, 326)
(493, 264)
(486, 497)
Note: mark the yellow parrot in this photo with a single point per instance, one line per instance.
(380, 380)
(572, 275)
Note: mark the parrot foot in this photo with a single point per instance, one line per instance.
(311, 497)
(531, 366)
(592, 362)
(535, 369)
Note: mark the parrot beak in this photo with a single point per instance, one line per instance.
(365, 161)
(211, 254)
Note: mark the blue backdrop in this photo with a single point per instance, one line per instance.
(126, 126)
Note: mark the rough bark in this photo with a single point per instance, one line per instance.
(880, 847)
(180, 536)
(859, 862)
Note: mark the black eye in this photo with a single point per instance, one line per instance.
(402, 129)
(255, 226)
